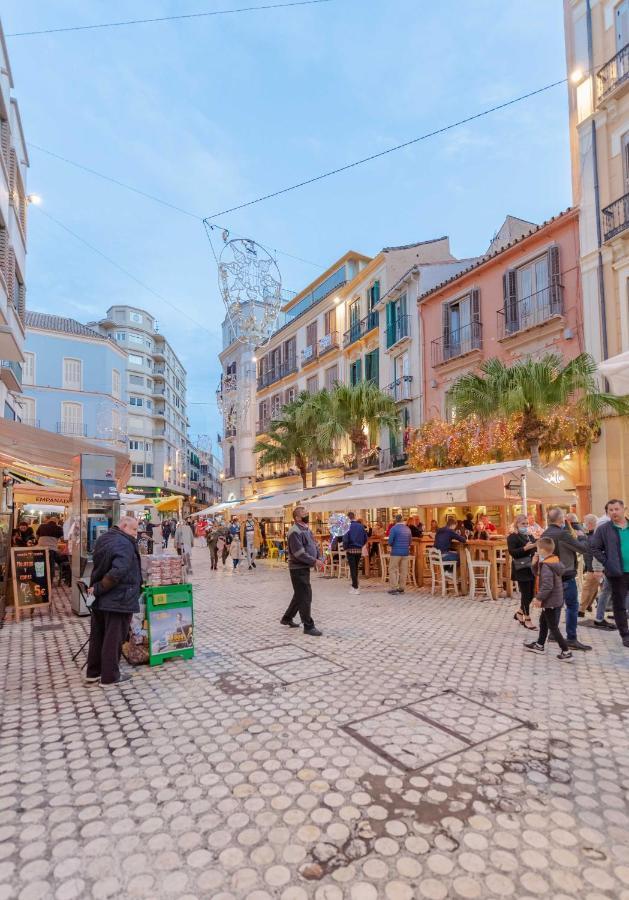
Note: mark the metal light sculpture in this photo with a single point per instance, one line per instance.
(251, 288)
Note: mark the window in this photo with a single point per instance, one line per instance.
(149, 384)
(28, 369)
(135, 359)
(449, 408)
(625, 160)
(290, 395)
(398, 320)
(29, 411)
(276, 405)
(148, 470)
(19, 293)
(461, 325)
(330, 321)
(148, 404)
(137, 469)
(355, 372)
(311, 334)
(136, 445)
(372, 367)
(312, 385)
(533, 292)
(72, 374)
(115, 383)
(121, 335)
(136, 379)
(135, 338)
(71, 418)
(136, 401)
(135, 317)
(354, 320)
(290, 354)
(373, 295)
(231, 471)
(331, 377)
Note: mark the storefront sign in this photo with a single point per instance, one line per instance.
(31, 577)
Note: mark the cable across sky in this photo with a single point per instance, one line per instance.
(199, 15)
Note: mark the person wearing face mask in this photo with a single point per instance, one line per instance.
(521, 545)
(303, 555)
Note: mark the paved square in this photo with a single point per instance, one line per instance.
(233, 776)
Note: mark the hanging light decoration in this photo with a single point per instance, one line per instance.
(251, 288)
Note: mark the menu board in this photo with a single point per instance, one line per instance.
(170, 630)
(30, 568)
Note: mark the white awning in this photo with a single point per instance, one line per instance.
(216, 508)
(273, 505)
(616, 370)
(483, 485)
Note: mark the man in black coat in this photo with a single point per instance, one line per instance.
(116, 584)
(566, 548)
(610, 546)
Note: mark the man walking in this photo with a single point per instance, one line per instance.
(566, 548)
(353, 542)
(592, 571)
(250, 539)
(400, 538)
(610, 545)
(303, 555)
(116, 584)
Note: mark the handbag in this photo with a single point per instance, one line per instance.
(524, 562)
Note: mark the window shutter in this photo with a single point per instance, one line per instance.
(4, 250)
(12, 174)
(375, 367)
(445, 326)
(476, 323)
(556, 305)
(5, 138)
(376, 293)
(10, 274)
(509, 290)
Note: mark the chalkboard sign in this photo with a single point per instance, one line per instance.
(30, 567)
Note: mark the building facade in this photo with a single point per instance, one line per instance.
(155, 382)
(13, 236)
(597, 50)
(204, 476)
(73, 380)
(520, 300)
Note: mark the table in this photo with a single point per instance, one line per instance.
(486, 550)
(418, 548)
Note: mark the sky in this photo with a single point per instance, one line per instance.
(209, 113)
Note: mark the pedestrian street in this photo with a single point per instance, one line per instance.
(414, 750)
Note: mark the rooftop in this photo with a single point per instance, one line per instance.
(61, 324)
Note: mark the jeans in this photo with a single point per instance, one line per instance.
(353, 561)
(108, 633)
(604, 599)
(620, 588)
(302, 598)
(571, 601)
(450, 556)
(549, 621)
(251, 550)
(398, 572)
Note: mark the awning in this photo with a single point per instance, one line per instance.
(35, 495)
(616, 370)
(216, 508)
(273, 505)
(486, 485)
(169, 504)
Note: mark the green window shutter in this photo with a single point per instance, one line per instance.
(376, 293)
(390, 313)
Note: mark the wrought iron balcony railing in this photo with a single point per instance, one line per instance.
(14, 367)
(613, 74)
(309, 354)
(75, 429)
(457, 343)
(272, 375)
(397, 329)
(392, 459)
(530, 311)
(616, 217)
(329, 342)
(358, 330)
(400, 389)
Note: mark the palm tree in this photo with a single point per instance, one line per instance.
(285, 443)
(534, 388)
(313, 409)
(357, 411)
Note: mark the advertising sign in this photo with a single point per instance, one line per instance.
(31, 577)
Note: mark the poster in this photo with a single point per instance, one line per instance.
(171, 630)
(31, 577)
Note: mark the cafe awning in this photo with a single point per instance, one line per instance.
(273, 505)
(169, 504)
(215, 509)
(488, 485)
(616, 370)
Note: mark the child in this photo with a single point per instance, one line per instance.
(235, 550)
(549, 597)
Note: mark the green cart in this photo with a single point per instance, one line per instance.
(170, 622)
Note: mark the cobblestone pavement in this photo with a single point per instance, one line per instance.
(415, 750)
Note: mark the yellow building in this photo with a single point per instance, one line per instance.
(597, 50)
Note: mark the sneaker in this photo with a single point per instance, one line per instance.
(577, 645)
(254, 565)
(122, 680)
(581, 615)
(565, 655)
(534, 647)
(354, 590)
(92, 679)
(625, 640)
(400, 591)
(394, 591)
(289, 622)
(608, 626)
(313, 632)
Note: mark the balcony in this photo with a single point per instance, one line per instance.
(309, 354)
(370, 460)
(329, 342)
(521, 315)
(32, 423)
(159, 412)
(398, 330)
(158, 391)
(262, 426)
(11, 374)
(616, 218)
(400, 389)
(613, 78)
(392, 459)
(359, 330)
(272, 375)
(457, 343)
(159, 432)
(72, 429)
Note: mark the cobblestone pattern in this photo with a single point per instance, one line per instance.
(224, 777)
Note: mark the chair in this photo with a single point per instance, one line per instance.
(479, 576)
(442, 571)
(328, 561)
(412, 567)
(343, 568)
(383, 558)
(272, 550)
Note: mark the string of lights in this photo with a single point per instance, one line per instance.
(199, 15)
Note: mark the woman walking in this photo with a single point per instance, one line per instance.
(353, 542)
(522, 547)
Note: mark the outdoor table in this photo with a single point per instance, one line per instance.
(486, 550)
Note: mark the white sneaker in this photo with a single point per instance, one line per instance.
(354, 590)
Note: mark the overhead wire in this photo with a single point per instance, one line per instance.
(394, 149)
(199, 15)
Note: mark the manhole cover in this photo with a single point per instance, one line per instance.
(291, 663)
(420, 734)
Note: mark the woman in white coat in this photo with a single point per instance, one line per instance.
(183, 542)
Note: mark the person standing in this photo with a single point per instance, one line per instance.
(400, 539)
(610, 546)
(444, 538)
(211, 537)
(183, 543)
(522, 547)
(116, 584)
(549, 568)
(592, 569)
(353, 542)
(166, 532)
(303, 555)
(566, 548)
(251, 539)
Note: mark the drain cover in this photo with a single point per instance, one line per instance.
(291, 663)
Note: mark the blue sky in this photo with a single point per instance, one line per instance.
(212, 112)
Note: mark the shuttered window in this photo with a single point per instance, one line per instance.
(115, 383)
(28, 369)
(72, 374)
(72, 418)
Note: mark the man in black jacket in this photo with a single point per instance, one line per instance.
(303, 555)
(567, 548)
(610, 546)
(116, 584)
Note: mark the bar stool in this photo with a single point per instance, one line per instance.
(384, 564)
(444, 571)
(343, 568)
(479, 576)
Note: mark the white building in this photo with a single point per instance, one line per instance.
(13, 220)
(157, 417)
